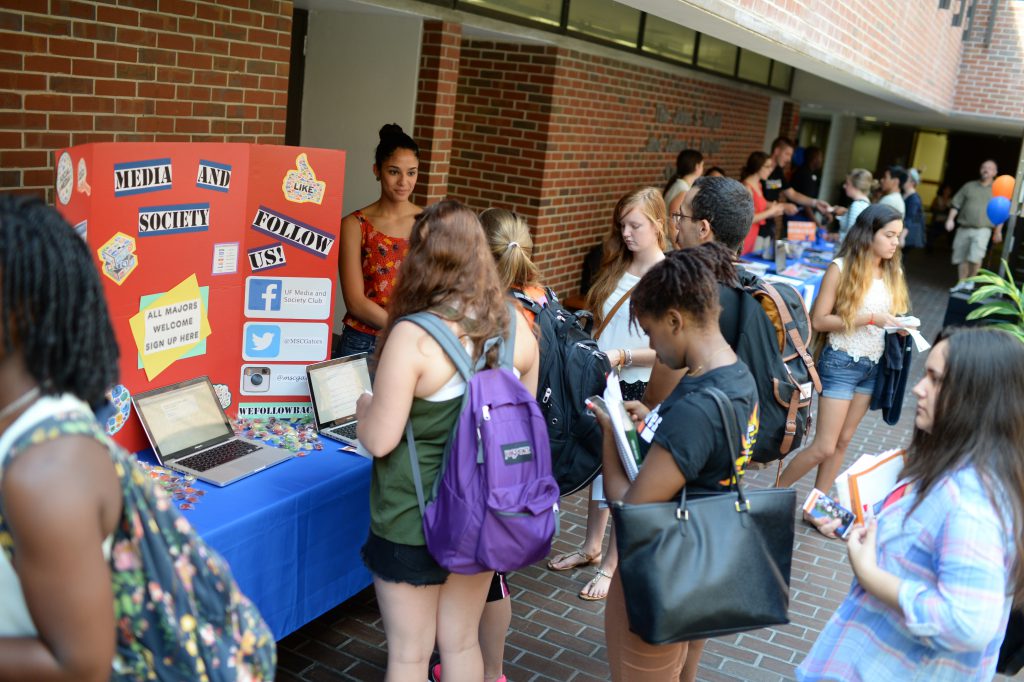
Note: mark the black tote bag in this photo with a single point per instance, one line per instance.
(709, 565)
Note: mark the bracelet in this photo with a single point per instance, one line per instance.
(622, 357)
(629, 357)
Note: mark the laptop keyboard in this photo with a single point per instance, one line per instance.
(214, 457)
(346, 431)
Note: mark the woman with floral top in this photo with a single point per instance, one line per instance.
(374, 241)
(100, 577)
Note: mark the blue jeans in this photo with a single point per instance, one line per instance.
(354, 341)
(842, 376)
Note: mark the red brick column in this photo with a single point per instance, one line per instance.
(435, 107)
(789, 126)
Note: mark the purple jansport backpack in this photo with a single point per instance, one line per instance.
(495, 502)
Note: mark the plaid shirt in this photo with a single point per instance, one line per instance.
(953, 555)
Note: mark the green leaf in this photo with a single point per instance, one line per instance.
(1014, 329)
(987, 277)
(989, 291)
(994, 308)
(1009, 273)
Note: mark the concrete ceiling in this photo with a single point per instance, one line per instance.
(820, 97)
(820, 85)
(822, 88)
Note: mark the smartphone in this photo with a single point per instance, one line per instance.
(598, 402)
(820, 506)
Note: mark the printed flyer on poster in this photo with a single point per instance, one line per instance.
(216, 260)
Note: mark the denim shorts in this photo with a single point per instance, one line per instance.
(842, 376)
(354, 341)
(397, 563)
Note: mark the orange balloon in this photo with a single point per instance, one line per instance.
(1003, 186)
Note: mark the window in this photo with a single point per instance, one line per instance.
(618, 24)
(544, 11)
(754, 67)
(605, 19)
(716, 55)
(782, 74)
(670, 40)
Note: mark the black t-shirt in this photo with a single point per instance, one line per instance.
(807, 181)
(775, 184)
(729, 319)
(689, 427)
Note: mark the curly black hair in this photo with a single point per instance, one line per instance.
(686, 279)
(52, 307)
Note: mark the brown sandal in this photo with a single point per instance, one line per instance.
(593, 583)
(585, 560)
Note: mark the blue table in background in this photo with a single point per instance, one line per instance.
(808, 286)
(292, 533)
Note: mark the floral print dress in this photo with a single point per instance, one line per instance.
(179, 613)
(381, 256)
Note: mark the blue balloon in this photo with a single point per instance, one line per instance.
(998, 210)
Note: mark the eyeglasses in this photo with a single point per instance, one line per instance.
(676, 217)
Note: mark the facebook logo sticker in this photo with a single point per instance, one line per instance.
(264, 294)
(262, 340)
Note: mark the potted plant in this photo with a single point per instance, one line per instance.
(999, 296)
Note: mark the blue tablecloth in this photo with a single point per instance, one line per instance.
(807, 286)
(292, 533)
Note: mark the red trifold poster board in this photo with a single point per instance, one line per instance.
(216, 259)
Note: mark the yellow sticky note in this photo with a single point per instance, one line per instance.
(170, 327)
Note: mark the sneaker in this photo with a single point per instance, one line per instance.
(959, 286)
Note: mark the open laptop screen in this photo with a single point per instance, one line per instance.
(335, 388)
(183, 418)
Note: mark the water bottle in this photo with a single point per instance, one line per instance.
(780, 256)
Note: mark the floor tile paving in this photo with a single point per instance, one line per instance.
(557, 636)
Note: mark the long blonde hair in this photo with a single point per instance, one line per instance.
(617, 257)
(510, 242)
(857, 272)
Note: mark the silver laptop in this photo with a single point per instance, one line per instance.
(191, 434)
(334, 388)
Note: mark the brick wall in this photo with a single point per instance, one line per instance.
(992, 78)
(615, 127)
(559, 136)
(137, 71)
(789, 122)
(905, 46)
(435, 107)
(501, 125)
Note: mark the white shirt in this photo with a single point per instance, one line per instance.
(618, 334)
(868, 341)
(678, 187)
(15, 620)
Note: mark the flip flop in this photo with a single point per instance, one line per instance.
(585, 560)
(593, 583)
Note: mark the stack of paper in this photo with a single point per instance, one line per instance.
(910, 325)
(868, 481)
(625, 431)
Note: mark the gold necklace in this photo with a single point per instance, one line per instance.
(700, 368)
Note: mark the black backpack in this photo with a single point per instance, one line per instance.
(778, 357)
(572, 368)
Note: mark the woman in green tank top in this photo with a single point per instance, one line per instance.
(449, 272)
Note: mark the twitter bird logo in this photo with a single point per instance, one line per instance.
(262, 341)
